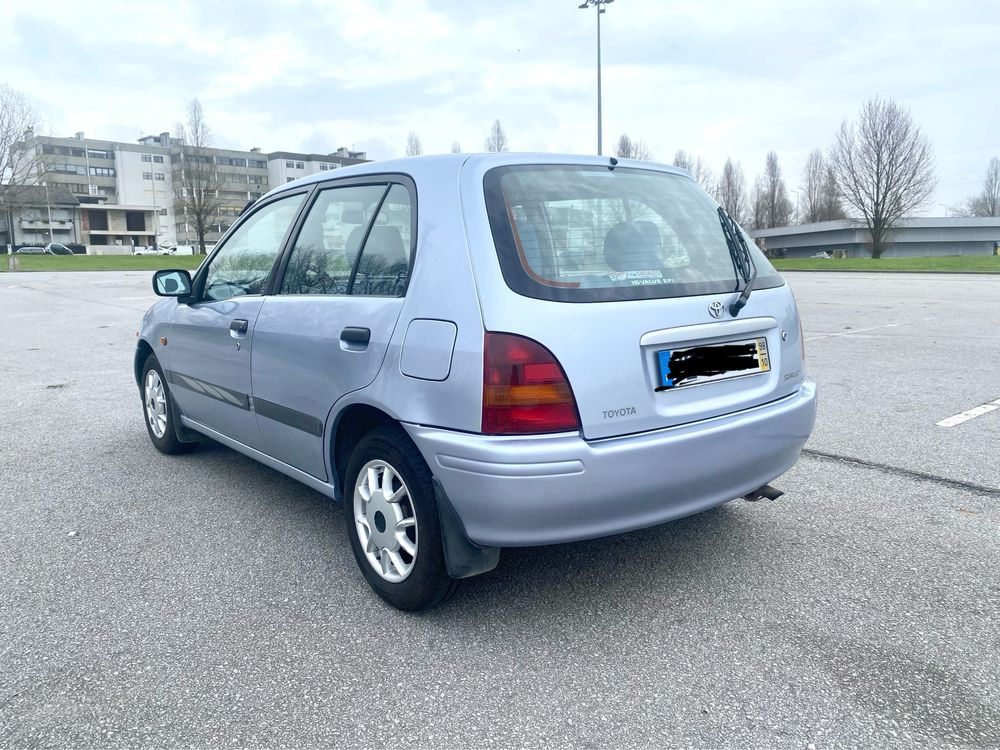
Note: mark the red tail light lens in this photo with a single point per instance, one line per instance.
(525, 390)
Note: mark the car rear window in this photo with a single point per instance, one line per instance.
(590, 234)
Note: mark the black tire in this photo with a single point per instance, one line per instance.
(428, 583)
(168, 442)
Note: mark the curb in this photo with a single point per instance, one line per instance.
(885, 270)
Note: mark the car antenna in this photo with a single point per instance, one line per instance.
(613, 164)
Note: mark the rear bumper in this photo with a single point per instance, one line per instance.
(524, 491)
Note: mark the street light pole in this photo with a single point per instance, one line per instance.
(599, 4)
(48, 209)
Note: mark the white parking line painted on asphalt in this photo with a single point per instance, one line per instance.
(850, 332)
(965, 416)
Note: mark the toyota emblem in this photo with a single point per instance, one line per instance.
(717, 309)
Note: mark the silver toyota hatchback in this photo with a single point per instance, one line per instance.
(484, 351)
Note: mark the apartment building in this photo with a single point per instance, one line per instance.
(37, 215)
(285, 166)
(134, 193)
(117, 205)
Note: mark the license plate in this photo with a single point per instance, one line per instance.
(706, 364)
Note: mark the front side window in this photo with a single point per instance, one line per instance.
(242, 266)
(589, 234)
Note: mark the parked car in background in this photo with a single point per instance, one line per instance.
(30, 250)
(508, 350)
(822, 254)
(146, 250)
(57, 248)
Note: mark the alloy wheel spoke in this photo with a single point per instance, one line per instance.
(387, 476)
(396, 561)
(406, 544)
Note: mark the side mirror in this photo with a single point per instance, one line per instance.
(172, 283)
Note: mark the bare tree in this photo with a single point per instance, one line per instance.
(456, 147)
(413, 147)
(697, 167)
(987, 203)
(627, 148)
(777, 206)
(812, 188)
(497, 142)
(832, 203)
(19, 160)
(884, 167)
(758, 205)
(199, 180)
(731, 192)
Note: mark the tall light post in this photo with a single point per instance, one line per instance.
(48, 209)
(599, 4)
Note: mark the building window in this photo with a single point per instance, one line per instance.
(98, 154)
(102, 171)
(69, 169)
(323, 167)
(147, 157)
(98, 220)
(160, 177)
(290, 165)
(289, 179)
(135, 221)
(256, 179)
(62, 150)
(257, 164)
(147, 175)
(299, 165)
(157, 159)
(230, 162)
(163, 212)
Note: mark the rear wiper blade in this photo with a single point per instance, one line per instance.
(743, 263)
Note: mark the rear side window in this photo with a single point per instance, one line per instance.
(587, 234)
(355, 240)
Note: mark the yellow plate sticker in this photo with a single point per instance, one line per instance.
(762, 358)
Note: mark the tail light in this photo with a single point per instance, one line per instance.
(525, 390)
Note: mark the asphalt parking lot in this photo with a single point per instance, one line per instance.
(205, 600)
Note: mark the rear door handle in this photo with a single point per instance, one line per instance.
(238, 328)
(355, 338)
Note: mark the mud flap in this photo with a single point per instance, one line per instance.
(462, 557)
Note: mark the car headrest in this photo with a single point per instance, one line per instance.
(633, 246)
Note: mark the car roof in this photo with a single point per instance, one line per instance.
(478, 162)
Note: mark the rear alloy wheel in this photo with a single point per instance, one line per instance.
(392, 521)
(158, 410)
(384, 520)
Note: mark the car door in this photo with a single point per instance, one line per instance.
(210, 338)
(327, 330)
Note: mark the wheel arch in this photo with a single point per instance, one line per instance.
(351, 424)
(142, 352)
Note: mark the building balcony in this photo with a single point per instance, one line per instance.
(46, 224)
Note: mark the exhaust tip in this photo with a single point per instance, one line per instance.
(763, 492)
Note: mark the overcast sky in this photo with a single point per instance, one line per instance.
(725, 78)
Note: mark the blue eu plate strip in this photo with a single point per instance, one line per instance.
(665, 380)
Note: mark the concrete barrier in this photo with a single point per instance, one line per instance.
(109, 249)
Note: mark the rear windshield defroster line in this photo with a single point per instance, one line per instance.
(572, 233)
